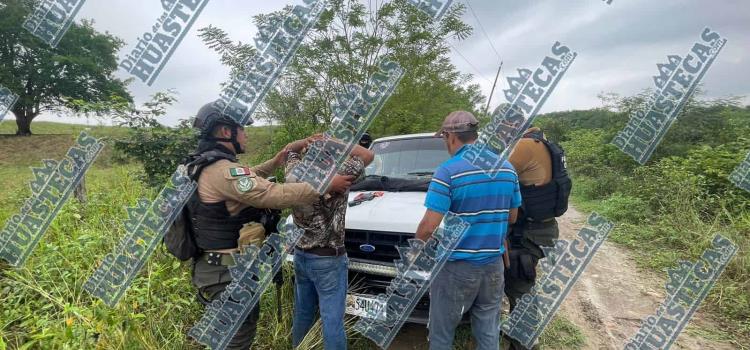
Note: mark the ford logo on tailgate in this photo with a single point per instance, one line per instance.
(367, 248)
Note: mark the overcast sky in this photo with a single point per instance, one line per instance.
(618, 45)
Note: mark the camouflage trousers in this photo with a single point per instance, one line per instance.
(211, 280)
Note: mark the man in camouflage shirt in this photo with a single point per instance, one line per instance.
(321, 266)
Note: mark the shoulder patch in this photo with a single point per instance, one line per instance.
(239, 171)
(235, 172)
(245, 184)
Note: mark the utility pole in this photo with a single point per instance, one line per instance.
(489, 99)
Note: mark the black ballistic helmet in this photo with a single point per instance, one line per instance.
(209, 117)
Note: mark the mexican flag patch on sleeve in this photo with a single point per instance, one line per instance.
(236, 172)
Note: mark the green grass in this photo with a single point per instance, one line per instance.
(659, 242)
(44, 304)
(8, 127)
(562, 334)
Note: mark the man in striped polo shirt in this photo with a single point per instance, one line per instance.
(487, 199)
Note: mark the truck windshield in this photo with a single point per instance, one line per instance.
(407, 158)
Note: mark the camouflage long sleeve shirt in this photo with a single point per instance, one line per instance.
(323, 221)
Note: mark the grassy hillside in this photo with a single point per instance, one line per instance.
(665, 211)
(44, 304)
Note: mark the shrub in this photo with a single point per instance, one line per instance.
(623, 208)
(159, 149)
(589, 153)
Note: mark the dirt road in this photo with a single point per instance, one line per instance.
(607, 303)
(613, 295)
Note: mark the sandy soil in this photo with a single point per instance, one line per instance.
(613, 295)
(607, 303)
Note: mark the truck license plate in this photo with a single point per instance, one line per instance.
(364, 306)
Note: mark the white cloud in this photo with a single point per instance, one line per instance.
(618, 44)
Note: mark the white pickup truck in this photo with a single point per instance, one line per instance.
(402, 171)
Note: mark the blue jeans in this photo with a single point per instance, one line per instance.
(461, 287)
(320, 280)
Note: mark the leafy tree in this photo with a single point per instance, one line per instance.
(345, 47)
(159, 148)
(50, 79)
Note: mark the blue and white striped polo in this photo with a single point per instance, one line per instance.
(481, 200)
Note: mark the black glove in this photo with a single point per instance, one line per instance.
(270, 220)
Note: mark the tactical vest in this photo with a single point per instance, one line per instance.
(551, 199)
(541, 204)
(213, 226)
(539, 201)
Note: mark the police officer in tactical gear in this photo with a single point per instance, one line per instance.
(230, 196)
(536, 225)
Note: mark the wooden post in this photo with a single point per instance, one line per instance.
(80, 191)
(489, 99)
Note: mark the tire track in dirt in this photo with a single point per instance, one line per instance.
(613, 295)
(607, 303)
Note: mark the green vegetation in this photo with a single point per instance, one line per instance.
(44, 304)
(351, 38)
(671, 208)
(666, 210)
(562, 334)
(81, 67)
(345, 48)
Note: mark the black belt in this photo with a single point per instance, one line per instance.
(325, 251)
(543, 220)
(538, 225)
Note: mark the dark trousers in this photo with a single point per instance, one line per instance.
(520, 278)
(211, 281)
(516, 285)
